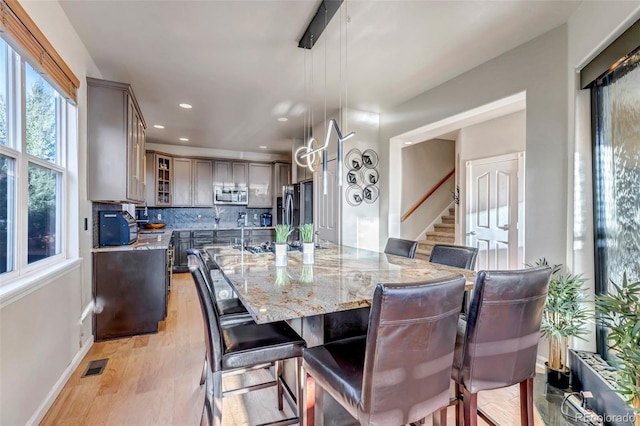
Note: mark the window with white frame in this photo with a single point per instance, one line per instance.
(33, 117)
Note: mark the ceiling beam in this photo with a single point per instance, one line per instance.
(319, 22)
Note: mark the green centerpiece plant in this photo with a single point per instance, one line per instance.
(306, 233)
(619, 311)
(565, 316)
(282, 233)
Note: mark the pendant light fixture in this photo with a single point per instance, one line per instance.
(305, 156)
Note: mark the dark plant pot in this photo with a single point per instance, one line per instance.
(557, 379)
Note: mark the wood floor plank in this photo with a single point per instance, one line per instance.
(153, 379)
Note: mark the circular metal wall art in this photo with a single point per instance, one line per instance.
(370, 159)
(362, 177)
(353, 160)
(371, 176)
(354, 195)
(354, 178)
(370, 194)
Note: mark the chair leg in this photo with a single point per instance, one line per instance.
(278, 367)
(309, 400)
(526, 402)
(459, 404)
(203, 375)
(470, 404)
(300, 389)
(217, 398)
(439, 417)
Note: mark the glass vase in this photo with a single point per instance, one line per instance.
(307, 253)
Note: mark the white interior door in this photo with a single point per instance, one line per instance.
(327, 207)
(495, 210)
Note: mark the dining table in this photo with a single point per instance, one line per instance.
(323, 301)
(341, 278)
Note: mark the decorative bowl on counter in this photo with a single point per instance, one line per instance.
(154, 225)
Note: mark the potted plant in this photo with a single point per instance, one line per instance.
(620, 312)
(306, 232)
(282, 232)
(565, 316)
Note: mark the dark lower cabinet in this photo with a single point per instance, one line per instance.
(130, 290)
(202, 238)
(183, 242)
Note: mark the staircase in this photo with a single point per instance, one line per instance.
(443, 233)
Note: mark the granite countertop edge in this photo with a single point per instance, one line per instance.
(159, 239)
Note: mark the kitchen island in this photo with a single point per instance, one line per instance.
(131, 285)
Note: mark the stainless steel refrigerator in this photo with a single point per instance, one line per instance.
(297, 206)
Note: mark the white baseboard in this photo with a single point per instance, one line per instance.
(57, 388)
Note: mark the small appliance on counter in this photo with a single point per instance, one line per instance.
(117, 228)
(265, 219)
(242, 219)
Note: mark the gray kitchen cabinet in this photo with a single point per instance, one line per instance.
(202, 183)
(115, 143)
(239, 171)
(228, 236)
(182, 182)
(260, 176)
(282, 177)
(262, 235)
(158, 180)
(227, 173)
(222, 175)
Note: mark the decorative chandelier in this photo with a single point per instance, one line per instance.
(305, 156)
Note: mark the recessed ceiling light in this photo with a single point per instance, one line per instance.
(158, 126)
(184, 139)
(408, 143)
(185, 106)
(262, 147)
(283, 119)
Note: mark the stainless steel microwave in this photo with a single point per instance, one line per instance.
(238, 195)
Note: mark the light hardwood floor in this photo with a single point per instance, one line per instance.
(153, 380)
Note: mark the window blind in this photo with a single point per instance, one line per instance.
(25, 36)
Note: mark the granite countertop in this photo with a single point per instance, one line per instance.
(219, 228)
(341, 278)
(151, 239)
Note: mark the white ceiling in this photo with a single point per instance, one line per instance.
(238, 64)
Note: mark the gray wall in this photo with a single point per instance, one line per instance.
(539, 68)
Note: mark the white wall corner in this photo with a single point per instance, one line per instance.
(41, 411)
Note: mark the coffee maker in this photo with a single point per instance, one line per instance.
(265, 219)
(242, 219)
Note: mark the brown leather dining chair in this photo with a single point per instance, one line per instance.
(400, 247)
(457, 256)
(230, 311)
(497, 345)
(400, 371)
(237, 348)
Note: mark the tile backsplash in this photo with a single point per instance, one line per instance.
(203, 217)
(184, 217)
